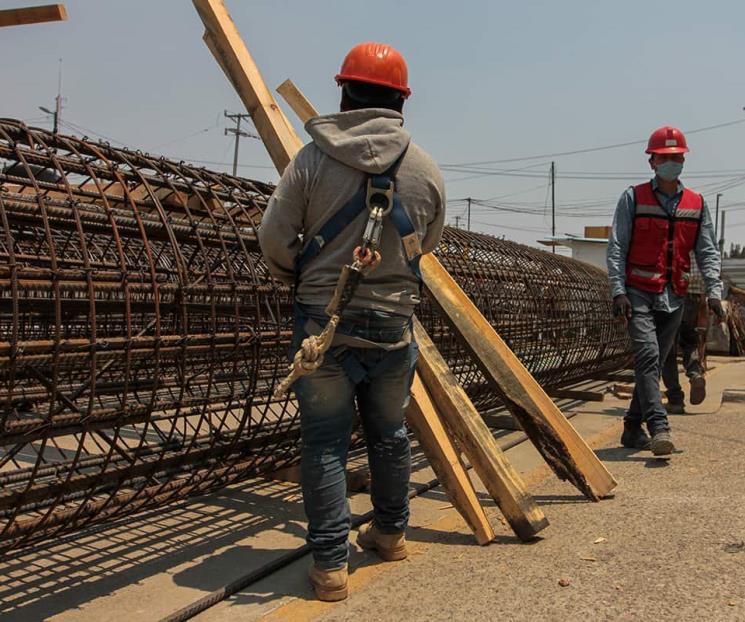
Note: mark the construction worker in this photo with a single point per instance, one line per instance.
(656, 226)
(312, 227)
(688, 341)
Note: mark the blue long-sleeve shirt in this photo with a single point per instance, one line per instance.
(706, 251)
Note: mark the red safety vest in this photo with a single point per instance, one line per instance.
(661, 245)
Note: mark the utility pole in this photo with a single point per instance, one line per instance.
(553, 205)
(237, 118)
(469, 213)
(457, 221)
(57, 114)
(716, 217)
(58, 99)
(721, 236)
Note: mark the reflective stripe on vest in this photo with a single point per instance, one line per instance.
(661, 244)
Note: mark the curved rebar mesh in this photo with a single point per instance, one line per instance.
(141, 334)
(553, 312)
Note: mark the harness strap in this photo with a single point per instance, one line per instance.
(412, 247)
(353, 208)
(343, 350)
(312, 327)
(331, 228)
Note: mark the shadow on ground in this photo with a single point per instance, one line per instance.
(43, 581)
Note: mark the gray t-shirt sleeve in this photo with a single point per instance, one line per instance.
(707, 256)
(618, 243)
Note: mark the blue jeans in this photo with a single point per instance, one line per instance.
(329, 402)
(653, 334)
(688, 341)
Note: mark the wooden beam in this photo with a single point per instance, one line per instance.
(501, 480)
(552, 434)
(283, 143)
(33, 15)
(297, 101)
(423, 419)
(231, 53)
(575, 394)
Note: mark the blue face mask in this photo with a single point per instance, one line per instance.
(669, 171)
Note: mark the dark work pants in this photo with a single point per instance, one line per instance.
(329, 400)
(652, 334)
(688, 342)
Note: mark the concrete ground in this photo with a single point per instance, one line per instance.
(670, 544)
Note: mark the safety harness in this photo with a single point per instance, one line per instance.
(368, 196)
(378, 195)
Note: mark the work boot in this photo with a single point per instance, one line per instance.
(330, 585)
(698, 389)
(675, 408)
(634, 437)
(662, 443)
(391, 547)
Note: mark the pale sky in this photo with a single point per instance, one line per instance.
(492, 82)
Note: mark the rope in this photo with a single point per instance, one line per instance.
(309, 357)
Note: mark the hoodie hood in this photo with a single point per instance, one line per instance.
(368, 140)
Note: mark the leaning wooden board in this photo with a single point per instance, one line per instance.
(549, 430)
(423, 418)
(33, 15)
(475, 439)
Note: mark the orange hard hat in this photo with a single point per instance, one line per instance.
(667, 139)
(375, 63)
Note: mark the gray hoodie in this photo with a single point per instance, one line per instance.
(324, 175)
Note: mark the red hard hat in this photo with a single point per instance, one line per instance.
(375, 63)
(667, 139)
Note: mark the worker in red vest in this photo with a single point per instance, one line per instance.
(656, 228)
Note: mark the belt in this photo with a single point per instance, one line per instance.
(314, 328)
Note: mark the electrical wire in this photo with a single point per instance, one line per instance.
(591, 149)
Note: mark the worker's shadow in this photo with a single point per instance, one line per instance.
(623, 454)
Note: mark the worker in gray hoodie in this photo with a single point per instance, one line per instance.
(312, 227)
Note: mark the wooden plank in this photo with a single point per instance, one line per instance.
(231, 53)
(501, 421)
(297, 101)
(33, 15)
(576, 394)
(552, 434)
(423, 419)
(501, 480)
(505, 421)
(597, 232)
(281, 141)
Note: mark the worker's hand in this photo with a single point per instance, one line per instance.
(622, 308)
(715, 306)
(368, 261)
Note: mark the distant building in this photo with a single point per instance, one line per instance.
(589, 248)
(734, 270)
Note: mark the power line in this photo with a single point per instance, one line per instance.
(192, 134)
(501, 226)
(591, 149)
